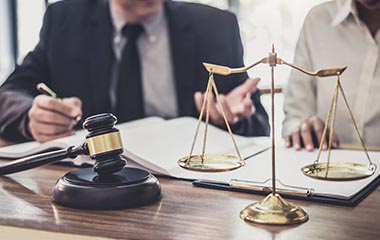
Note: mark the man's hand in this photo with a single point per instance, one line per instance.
(309, 127)
(236, 104)
(51, 118)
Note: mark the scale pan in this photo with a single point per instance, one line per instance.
(339, 171)
(210, 163)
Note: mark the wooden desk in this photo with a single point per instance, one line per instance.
(185, 212)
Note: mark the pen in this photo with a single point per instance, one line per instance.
(293, 191)
(246, 186)
(44, 89)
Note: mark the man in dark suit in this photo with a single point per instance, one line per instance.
(135, 58)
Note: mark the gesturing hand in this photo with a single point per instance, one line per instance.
(309, 127)
(236, 104)
(51, 118)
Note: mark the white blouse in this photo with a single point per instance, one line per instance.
(334, 36)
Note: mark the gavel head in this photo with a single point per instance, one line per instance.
(104, 143)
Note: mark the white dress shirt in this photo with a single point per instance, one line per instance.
(158, 86)
(334, 36)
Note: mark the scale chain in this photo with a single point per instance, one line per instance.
(200, 119)
(242, 162)
(354, 122)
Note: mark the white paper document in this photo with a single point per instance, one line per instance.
(155, 145)
(159, 147)
(289, 162)
(25, 149)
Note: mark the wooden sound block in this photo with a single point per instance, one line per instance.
(127, 188)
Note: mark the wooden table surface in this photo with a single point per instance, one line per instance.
(185, 212)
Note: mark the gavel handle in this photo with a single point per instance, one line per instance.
(38, 160)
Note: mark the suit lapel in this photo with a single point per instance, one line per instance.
(182, 41)
(100, 53)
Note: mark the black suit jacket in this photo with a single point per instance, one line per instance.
(74, 56)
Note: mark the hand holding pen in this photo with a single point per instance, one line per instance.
(51, 117)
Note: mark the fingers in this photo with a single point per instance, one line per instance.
(215, 112)
(46, 128)
(238, 101)
(231, 117)
(198, 99)
(243, 108)
(288, 144)
(247, 87)
(51, 118)
(306, 136)
(296, 139)
(308, 127)
(56, 105)
(43, 132)
(41, 115)
(73, 100)
(235, 105)
(318, 126)
(248, 107)
(215, 116)
(58, 111)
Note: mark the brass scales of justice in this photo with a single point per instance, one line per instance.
(273, 209)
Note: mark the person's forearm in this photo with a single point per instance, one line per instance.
(14, 108)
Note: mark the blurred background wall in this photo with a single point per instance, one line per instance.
(262, 23)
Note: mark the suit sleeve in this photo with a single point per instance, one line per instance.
(18, 91)
(257, 124)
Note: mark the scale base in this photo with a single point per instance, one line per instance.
(274, 210)
(128, 188)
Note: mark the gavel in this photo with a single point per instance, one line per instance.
(109, 184)
(103, 144)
